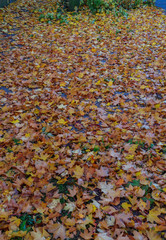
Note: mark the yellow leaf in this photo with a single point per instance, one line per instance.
(93, 50)
(157, 105)
(36, 111)
(164, 189)
(81, 75)
(63, 84)
(92, 90)
(17, 234)
(79, 171)
(15, 121)
(44, 156)
(82, 138)
(27, 135)
(129, 157)
(30, 180)
(110, 83)
(138, 173)
(153, 215)
(62, 181)
(94, 208)
(143, 87)
(62, 121)
(126, 206)
(15, 221)
(98, 82)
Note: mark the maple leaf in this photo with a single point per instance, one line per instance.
(39, 234)
(123, 218)
(62, 121)
(105, 188)
(99, 214)
(84, 222)
(115, 154)
(138, 235)
(153, 215)
(72, 191)
(111, 195)
(152, 235)
(102, 172)
(70, 207)
(126, 206)
(58, 230)
(54, 203)
(78, 171)
(110, 220)
(121, 237)
(86, 235)
(103, 236)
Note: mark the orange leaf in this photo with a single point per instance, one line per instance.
(120, 182)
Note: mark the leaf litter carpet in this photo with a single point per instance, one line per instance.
(82, 125)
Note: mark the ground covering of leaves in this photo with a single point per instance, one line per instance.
(82, 125)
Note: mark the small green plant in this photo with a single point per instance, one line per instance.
(96, 149)
(28, 221)
(94, 5)
(71, 5)
(16, 141)
(60, 15)
(118, 7)
(17, 238)
(50, 16)
(84, 149)
(164, 150)
(42, 16)
(63, 187)
(149, 2)
(129, 4)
